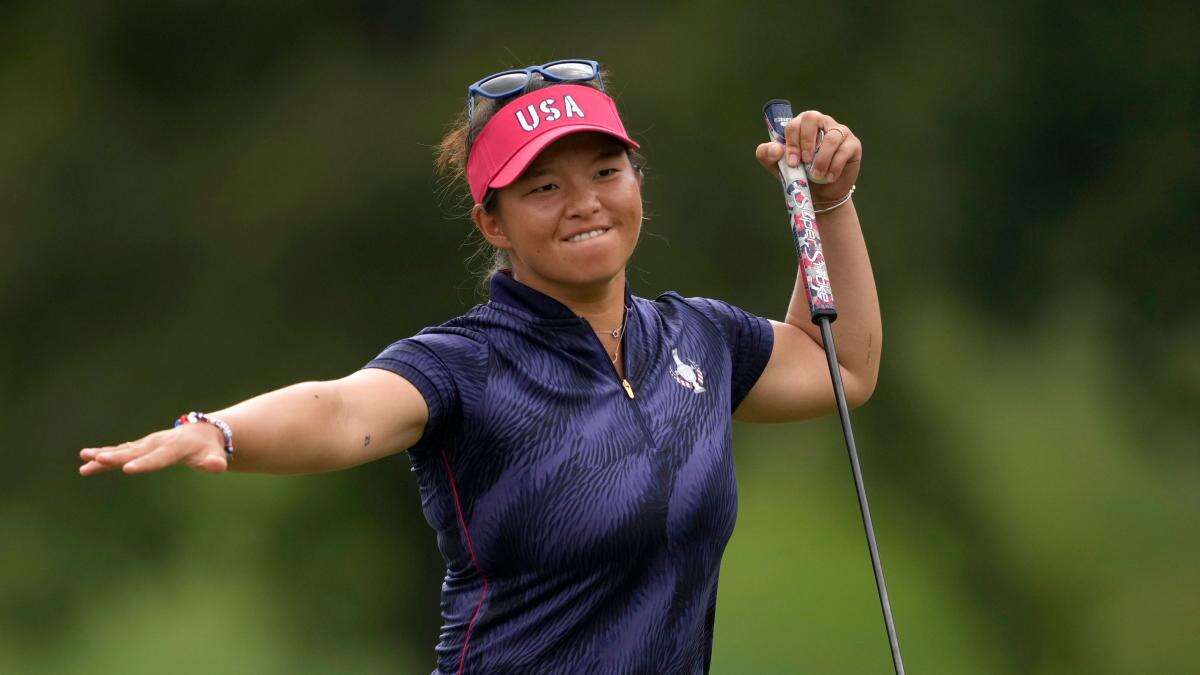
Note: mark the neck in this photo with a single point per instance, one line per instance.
(602, 303)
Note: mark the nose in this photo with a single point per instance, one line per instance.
(584, 202)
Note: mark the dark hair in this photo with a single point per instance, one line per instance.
(450, 159)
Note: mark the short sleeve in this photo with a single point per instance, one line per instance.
(448, 365)
(749, 337)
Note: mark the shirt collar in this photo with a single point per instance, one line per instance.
(508, 291)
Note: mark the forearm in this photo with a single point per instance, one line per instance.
(297, 429)
(858, 330)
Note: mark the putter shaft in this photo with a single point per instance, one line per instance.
(844, 412)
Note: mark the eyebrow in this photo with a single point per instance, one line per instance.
(607, 152)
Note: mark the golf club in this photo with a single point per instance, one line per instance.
(819, 292)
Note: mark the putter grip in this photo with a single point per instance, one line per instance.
(801, 219)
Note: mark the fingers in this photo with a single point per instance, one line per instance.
(106, 458)
(92, 468)
(160, 458)
(838, 146)
(768, 154)
(117, 456)
(819, 141)
(849, 152)
(156, 451)
(801, 135)
(825, 153)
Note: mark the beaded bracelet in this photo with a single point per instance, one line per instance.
(193, 417)
(841, 201)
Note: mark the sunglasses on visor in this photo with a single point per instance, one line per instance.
(509, 82)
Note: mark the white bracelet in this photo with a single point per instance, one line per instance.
(843, 200)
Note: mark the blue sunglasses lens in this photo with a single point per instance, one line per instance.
(572, 70)
(504, 84)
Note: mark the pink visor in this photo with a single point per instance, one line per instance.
(524, 127)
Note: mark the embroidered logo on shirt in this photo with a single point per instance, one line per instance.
(688, 375)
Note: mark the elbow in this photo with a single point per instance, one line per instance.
(860, 377)
(860, 384)
(860, 387)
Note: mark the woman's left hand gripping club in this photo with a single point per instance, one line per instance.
(836, 155)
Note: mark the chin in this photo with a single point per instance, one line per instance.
(594, 271)
(590, 275)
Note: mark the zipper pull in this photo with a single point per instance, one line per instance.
(628, 387)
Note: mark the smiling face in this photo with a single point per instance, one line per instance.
(581, 183)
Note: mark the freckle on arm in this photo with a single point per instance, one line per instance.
(366, 440)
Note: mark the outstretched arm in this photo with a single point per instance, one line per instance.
(308, 427)
(795, 384)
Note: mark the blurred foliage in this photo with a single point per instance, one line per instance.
(207, 200)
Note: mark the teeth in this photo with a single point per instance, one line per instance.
(587, 235)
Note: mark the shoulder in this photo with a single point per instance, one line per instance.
(448, 363)
(457, 342)
(456, 333)
(696, 308)
(462, 332)
(672, 301)
(746, 333)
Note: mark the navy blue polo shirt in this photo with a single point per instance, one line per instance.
(582, 521)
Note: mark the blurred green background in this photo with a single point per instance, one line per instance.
(203, 201)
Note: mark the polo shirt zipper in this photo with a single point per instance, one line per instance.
(624, 382)
(637, 412)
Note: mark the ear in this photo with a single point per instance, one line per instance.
(490, 227)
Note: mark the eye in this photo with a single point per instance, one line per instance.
(543, 188)
(605, 173)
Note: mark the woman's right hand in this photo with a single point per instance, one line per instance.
(200, 446)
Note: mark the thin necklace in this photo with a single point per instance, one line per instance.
(618, 334)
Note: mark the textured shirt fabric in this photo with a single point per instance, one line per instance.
(582, 529)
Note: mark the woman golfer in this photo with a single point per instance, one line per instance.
(572, 441)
